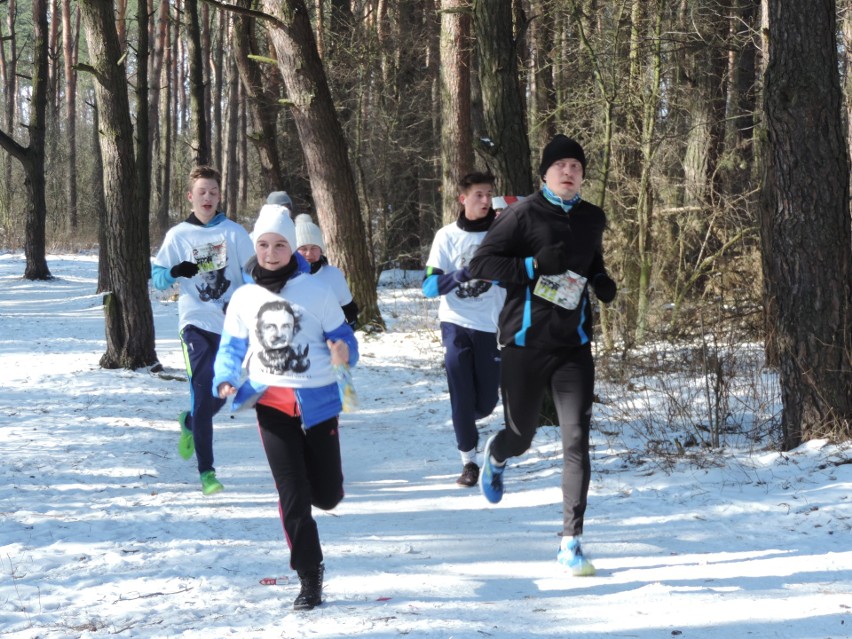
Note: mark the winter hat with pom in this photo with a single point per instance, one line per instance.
(307, 232)
(274, 218)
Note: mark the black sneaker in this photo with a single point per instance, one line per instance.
(469, 476)
(311, 594)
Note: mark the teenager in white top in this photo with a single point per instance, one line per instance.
(205, 255)
(468, 312)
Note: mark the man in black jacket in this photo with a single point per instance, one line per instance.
(547, 252)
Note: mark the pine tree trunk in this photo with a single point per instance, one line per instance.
(33, 161)
(10, 88)
(197, 92)
(143, 138)
(805, 230)
(128, 316)
(456, 135)
(230, 169)
(166, 120)
(324, 147)
(504, 112)
(262, 102)
(70, 59)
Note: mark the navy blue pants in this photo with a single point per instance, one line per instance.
(472, 360)
(570, 374)
(199, 352)
(306, 467)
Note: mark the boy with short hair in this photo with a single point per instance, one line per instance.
(468, 314)
(205, 254)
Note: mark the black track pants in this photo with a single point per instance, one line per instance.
(570, 374)
(307, 471)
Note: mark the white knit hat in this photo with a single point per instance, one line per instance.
(274, 218)
(307, 232)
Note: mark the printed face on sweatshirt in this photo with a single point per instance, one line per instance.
(473, 288)
(213, 285)
(277, 326)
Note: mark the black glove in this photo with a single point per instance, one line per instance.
(552, 260)
(604, 287)
(462, 275)
(184, 269)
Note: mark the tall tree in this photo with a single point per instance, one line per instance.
(31, 156)
(197, 91)
(127, 307)
(325, 151)
(542, 101)
(69, 55)
(143, 131)
(9, 74)
(456, 134)
(508, 149)
(165, 120)
(805, 229)
(262, 92)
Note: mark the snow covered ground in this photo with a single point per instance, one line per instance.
(104, 531)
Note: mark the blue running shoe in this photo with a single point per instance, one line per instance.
(571, 556)
(491, 478)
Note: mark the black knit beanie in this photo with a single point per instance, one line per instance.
(560, 148)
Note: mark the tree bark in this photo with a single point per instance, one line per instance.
(456, 134)
(167, 119)
(230, 168)
(70, 59)
(9, 70)
(508, 153)
(805, 229)
(31, 157)
(143, 137)
(262, 100)
(543, 93)
(127, 307)
(197, 93)
(324, 147)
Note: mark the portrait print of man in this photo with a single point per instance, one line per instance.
(277, 325)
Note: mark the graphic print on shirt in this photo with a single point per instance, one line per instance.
(212, 258)
(277, 326)
(473, 288)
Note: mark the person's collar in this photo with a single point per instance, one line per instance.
(474, 226)
(216, 219)
(316, 266)
(551, 197)
(274, 281)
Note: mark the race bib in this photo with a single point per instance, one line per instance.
(563, 290)
(212, 256)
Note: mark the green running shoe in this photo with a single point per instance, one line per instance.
(186, 444)
(209, 483)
